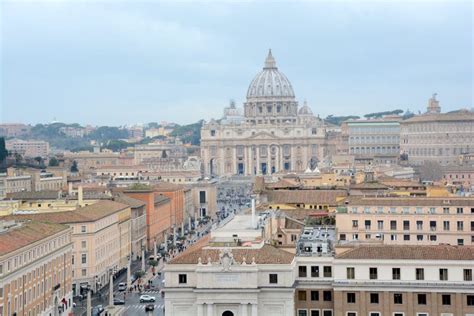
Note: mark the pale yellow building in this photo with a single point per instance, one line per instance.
(406, 220)
(35, 268)
(101, 236)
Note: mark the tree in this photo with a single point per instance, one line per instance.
(53, 162)
(74, 167)
(153, 263)
(3, 155)
(139, 275)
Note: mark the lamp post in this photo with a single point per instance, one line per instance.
(129, 272)
(89, 304)
(111, 288)
(143, 258)
(154, 249)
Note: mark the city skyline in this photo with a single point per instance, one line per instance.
(106, 58)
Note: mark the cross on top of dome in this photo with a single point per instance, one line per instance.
(270, 61)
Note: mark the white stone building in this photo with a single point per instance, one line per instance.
(273, 135)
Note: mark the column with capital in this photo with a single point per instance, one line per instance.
(210, 309)
(269, 160)
(234, 160)
(249, 161)
(258, 159)
(254, 310)
(200, 309)
(244, 309)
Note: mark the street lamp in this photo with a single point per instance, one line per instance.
(129, 272)
(143, 258)
(111, 288)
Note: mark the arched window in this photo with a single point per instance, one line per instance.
(227, 313)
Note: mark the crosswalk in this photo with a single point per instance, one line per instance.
(139, 309)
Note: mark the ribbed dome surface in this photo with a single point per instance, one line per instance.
(270, 83)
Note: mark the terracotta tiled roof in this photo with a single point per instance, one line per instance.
(167, 187)
(27, 233)
(462, 115)
(124, 199)
(306, 196)
(89, 213)
(411, 201)
(265, 255)
(389, 252)
(284, 183)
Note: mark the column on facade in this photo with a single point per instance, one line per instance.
(269, 160)
(234, 160)
(244, 309)
(258, 159)
(254, 310)
(200, 309)
(210, 309)
(250, 160)
(278, 158)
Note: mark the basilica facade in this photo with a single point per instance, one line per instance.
(273, 134)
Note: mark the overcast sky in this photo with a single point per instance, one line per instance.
(115, 63)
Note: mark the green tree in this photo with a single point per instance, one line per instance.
(139, 275)
(3, 155)
(74, 167)
(53, 162)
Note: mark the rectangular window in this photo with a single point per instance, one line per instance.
(419, 225)
(443, 274)
(315, 312)
(327, 271)
(302, 295)
(374, 314)
(393, 225)
(84, 272)
(374, 298)
(446, 225)
(446, 299)
(327, 296)
(273, 278)
(202, 197)
(397, 298)
(367, 224)
(302, 271)
(351, 314)
(315, 295)
(355, 223)
(183, 278)
(315, 271)
(83, 229)
(470, 300)
(433, 226)
(327, 312)
(421, 299)
(380, 225)
(373, 273)
(395, 273)
(83, 244)
(84, 258)
(459, 210)
(460, 225)
(302, 312)
(351, 298)
(406, 225)
(420, 273)
(467, 274)
(350, 273)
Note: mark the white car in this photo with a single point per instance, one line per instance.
(122, 286)
(147, 298)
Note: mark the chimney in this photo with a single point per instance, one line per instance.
(253, 213)
(80, 197)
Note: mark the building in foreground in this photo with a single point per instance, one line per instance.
(28, 148)
(35, 268)
(231, 272)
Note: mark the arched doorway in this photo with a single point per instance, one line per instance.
(227, 313)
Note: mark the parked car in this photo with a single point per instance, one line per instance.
(147, 298)
(122, 286)
(118, 301)
(149, 308)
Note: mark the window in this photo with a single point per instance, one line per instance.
(380, 225)
(351, 314)
(433, 237)
(342, 236)
(373, 273)
(419, 237)
(459, 210)
(302, 295)
(398, 314)
(350, 273)
(315, 271)
(315, 312)
(355, 223)
(421, 299)
(183, 278)
(446, 299)
(327, 296)
(420, 273)
(406, 225)
(273, 278)
(315, 295)
(302, 312)
(433, 225)
(460, 225)
(470, 300)
(84, 272)
(327, 271)
(374, 298)
(351, 298)
(406, 237)
(397, 298)
(213, 132)
(84, 258)
(419, 225)
(83, 244)
(327, 312)
(83, 229)
(467, 274)
(395, 273)
(393, 225)
(443, 274)
(367, 224)
(460, 242)
(374, 314)
(302, 271)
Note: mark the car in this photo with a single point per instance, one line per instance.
(147, 298)
(118, 301)
(122, 286)
(149, 308)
